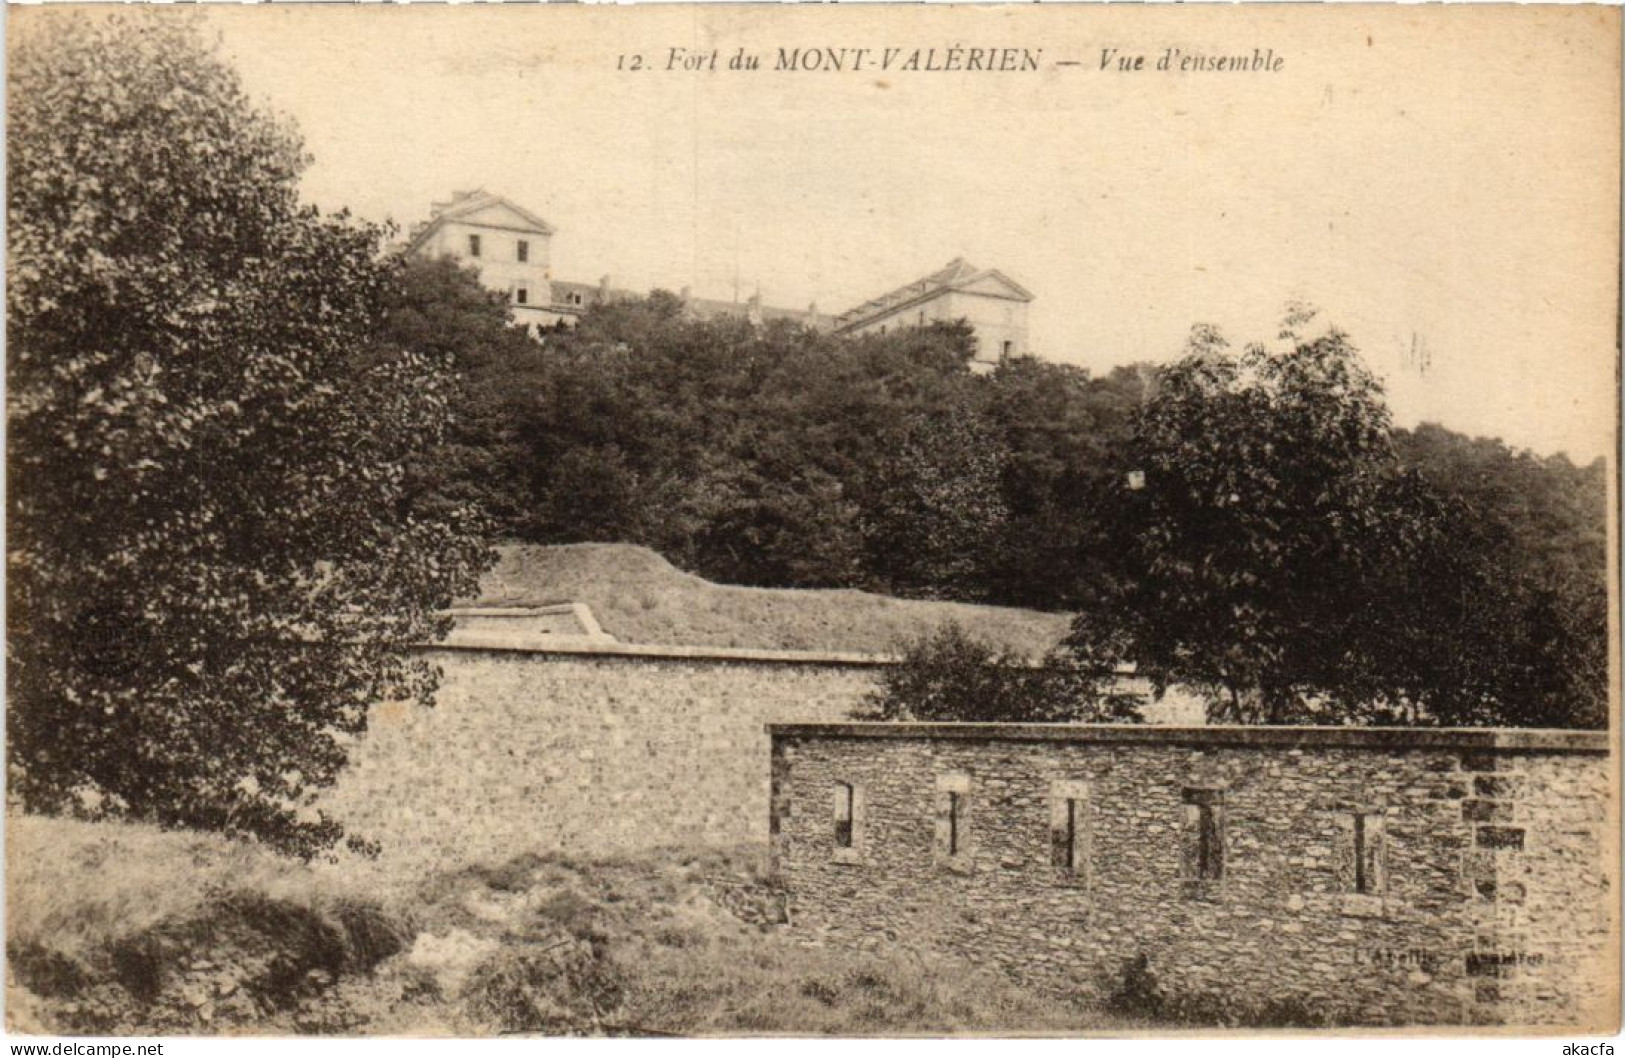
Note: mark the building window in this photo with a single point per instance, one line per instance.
(953, 821)
(1362, 866)
(473, 246)
(524, 251)
(1069, 829)
(1368, 851)
(848, 810)
(521, 296)
(1009, 347)
(1204, 816)
(1063, 836)
(843, 815)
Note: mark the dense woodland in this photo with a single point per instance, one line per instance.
(1271, 536)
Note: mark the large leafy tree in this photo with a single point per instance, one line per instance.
(215, 564)
(1264, 534)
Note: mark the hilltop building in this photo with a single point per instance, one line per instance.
(991, 302)
(511, 248)
(753, 310)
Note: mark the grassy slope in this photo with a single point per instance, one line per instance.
(639, 597)
(82, 886)
(108, 923)
(662, 954)
(662, 943)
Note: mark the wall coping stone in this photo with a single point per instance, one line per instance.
(580, 611)
(1469, 738)
(668, 651)
(611, 648)
(550, 610)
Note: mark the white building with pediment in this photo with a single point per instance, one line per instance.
(991, 302)
(507, 244)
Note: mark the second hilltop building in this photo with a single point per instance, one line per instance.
(510, 247)
(991, 302)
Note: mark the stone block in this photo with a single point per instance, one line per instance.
(1486, 811)
(1502, 786)
(1485, 762)
(1511, 838)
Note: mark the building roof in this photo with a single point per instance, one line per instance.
(712, 308)
(587, 294)
(958, 274)
(575, 298)
(464, 204)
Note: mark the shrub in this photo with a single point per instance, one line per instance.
(553, 992)
(953, 676)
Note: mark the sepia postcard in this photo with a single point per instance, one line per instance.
(750, 520)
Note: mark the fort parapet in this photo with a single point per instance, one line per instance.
(547, 734)
(589, 747)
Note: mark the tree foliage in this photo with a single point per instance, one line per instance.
(1513, 620)
(1273, 548)
(751, 455)
(1065, 437)
(442, 311)
(952, 676)
(215, 558)
(937, 514)
(1264, 509)
(781, 456)
(1290, 551)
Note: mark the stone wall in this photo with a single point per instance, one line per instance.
(547, 734)
(589, 749)
(1370, 876)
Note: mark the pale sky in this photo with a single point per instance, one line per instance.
(1442, 180)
